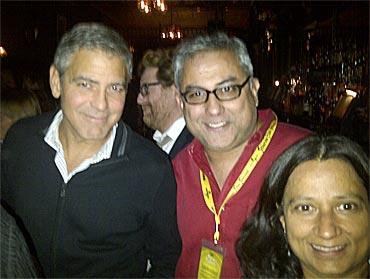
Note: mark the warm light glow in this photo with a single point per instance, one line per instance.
(269, 40)
(2, 52)
(146, 6)
(277, 83)
(351, 93)
(163, 7)
(171, 32)
(293, 82)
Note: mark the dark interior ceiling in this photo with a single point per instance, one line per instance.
(295, 14)
(246, 19)
(291, 16)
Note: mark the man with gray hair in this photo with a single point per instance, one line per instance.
(97, 199)
(220, 173)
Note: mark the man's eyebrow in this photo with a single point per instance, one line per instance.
(118, 83)
(190, 86)
(226, 80)
(82, 78)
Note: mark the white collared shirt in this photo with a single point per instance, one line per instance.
(168, 138)
(52, 139)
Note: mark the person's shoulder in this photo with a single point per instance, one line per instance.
(287, 134)
(7, 220)
(142, 148)
(34, 122)
(29, 127)
(283, 128)
(183, 157)
(181, 142)
(290, 130)
(188, 137)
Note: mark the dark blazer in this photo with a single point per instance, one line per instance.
(183, 140)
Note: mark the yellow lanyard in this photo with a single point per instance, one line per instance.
(239, 183)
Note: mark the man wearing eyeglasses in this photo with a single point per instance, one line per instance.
(157, 98)
(219, 174)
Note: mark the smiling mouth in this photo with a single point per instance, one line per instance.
(96, 118)
(216, 125)
(328, 249)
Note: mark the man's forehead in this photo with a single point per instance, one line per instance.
(205, 60)
(211, 64)
(149, 71)
(89, 57)
(210, 54)
(92, 63)
(93, 52)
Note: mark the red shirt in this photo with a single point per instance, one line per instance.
(195, 220)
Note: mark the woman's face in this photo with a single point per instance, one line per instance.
(326, 218)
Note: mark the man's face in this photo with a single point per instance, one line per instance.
(219, 125)
(92, 93)
(158, 103)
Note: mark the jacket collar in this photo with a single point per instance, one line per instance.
(120, 142)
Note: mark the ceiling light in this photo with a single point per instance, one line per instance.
(146, 6)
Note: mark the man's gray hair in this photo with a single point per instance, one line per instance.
(92, 36)
(218, 41)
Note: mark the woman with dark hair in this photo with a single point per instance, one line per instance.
(312, 218)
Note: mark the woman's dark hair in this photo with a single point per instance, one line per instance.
(262, 248)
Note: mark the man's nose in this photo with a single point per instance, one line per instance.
(140, 99)
(213, 105)
(100, 100)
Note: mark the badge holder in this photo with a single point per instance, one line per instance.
(211, 259)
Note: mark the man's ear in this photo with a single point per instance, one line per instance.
(282, 222)
(179, 100)
(55, 83)
(254, 88)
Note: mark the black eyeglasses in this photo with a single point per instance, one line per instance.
(195, 96)
(144, 89)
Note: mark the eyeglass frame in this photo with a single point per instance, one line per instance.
(239, 86)
(147, 85)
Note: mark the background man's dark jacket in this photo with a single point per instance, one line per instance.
(183, 140)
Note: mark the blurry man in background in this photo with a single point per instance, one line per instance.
(157, 98)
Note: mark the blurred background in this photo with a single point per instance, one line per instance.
(311, 57)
